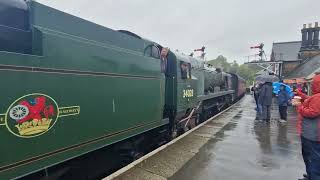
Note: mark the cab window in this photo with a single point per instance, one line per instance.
(155, 52)
(147, 51)
(185, 70)
(152, 51)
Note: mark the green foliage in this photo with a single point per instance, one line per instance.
(234, 67)
(246, 71)
(221, 62)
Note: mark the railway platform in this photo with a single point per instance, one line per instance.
(231, 146)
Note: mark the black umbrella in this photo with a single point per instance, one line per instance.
(267, 78)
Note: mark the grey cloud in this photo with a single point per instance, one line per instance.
(226, 27)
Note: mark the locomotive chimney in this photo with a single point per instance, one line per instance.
(316, 29)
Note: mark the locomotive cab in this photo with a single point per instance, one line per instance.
(186, 86)
(15, 33)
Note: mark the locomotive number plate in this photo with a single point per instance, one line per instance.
(187, 93)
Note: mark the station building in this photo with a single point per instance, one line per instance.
(300, 60)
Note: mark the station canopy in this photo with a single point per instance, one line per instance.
(304, 71)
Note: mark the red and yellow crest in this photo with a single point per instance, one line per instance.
(34, 114)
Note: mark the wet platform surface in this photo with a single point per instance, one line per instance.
(246, 149)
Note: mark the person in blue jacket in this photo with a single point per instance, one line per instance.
(283, 101)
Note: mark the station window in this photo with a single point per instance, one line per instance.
(185, 70)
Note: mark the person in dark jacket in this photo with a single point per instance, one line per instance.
(283, 101)
(305, 88)
(265, 100)
(256, 89)
(309, 112)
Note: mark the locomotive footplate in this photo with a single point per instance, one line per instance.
(213, 95)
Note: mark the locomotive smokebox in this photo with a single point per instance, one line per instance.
(15, 35)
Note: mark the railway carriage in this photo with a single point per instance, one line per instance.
(239, 85)
(71, 87)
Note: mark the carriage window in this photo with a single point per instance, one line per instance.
(185, 70)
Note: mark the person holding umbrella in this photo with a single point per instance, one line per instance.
(266, 94)
(277, 86)
(265, 100)
(283, 101)
(255, 89)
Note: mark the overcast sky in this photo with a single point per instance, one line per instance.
(226, 27)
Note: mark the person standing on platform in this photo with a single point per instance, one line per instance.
(309, 113)
(305, 88)
(256, 89)
(299, 87)
(283, 101)
(265, 100)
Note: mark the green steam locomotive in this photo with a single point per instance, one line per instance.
(70, 87)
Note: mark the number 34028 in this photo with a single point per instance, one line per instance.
(187, 93)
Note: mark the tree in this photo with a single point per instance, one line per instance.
(234, 67)
(220, 62)
(248, 72)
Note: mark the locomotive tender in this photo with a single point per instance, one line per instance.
(71, 87)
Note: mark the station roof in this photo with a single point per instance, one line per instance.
(285, 51)
(306, 69)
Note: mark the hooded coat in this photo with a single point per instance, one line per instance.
(309, 110)
(265, 95)
(283, 98)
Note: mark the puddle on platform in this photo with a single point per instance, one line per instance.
(248, 149)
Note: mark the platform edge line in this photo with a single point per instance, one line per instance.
(135, 163)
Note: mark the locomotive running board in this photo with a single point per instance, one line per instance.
(214, 95)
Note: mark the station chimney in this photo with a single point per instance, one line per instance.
(315, 43)
(310, 41)
(310, 36)
(304, 33)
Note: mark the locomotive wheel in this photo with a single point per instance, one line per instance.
(19, 112)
